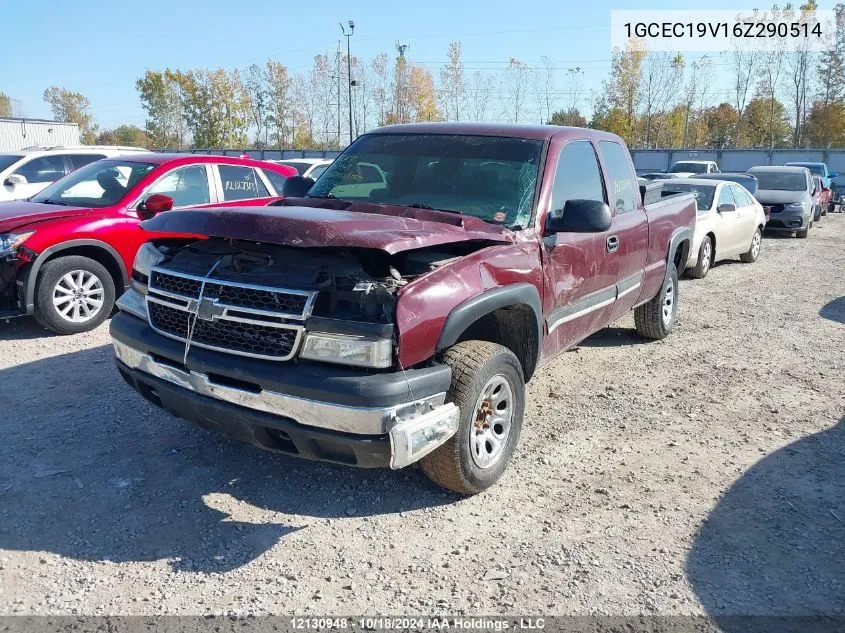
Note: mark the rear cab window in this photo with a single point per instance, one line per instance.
(623, 188)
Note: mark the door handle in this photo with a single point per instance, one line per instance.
(612, 243)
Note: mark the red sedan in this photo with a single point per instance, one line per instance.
(66, 253)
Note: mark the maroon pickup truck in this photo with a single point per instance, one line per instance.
(393, 312)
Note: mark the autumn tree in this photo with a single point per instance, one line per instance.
(258, 102)
(720, 124)
(743, 61)
(826, 125)
(422, 96)
(127, 135)
(661, 75)
(74, 108)
(621, 93)
(453, 83)
(568, 117)
(277, 109)
(5, 105)
(380, 86)
(478, 95)
(160, 94)
(400, 110)
(762, 130)
(514, 91)
(695, 96)
(799, 64)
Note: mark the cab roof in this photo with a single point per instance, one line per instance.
(508, 130)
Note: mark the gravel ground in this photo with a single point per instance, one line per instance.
(700, 474)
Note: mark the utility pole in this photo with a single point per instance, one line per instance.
(349, 72)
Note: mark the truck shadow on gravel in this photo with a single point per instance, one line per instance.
(834, 311)
(774, 544)
(89, 470)
(23, 329)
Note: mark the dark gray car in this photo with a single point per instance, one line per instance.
(786, 193)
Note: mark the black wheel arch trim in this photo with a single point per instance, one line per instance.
(31, 272)
(679, 235)
(468, 312)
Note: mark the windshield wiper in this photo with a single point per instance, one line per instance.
(420, 205)
(51, 201)
(328, 196)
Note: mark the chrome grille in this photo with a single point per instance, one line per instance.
(288, 302)
(241, 319)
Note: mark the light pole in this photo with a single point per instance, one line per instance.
(349, 71)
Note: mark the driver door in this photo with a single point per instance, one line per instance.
(580, 272)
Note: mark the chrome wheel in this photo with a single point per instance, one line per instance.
(706, 256)
(755, 244)
(493, 421)
(78, 296)
(668, 302)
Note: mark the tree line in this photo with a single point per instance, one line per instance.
(775, 98)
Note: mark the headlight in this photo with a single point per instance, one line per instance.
(796, 205)
(348, 350)
(10, 242)
(147, 257)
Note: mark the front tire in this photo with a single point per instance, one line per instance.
(705, 259)
(804, 233)
(656, 319)
(74, 294)
(754, 251)
(817, 214)
(489, 388)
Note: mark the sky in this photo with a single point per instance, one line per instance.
(99, 48)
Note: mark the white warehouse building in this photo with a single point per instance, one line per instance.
(18, 133)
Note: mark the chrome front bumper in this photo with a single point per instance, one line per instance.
(415, 428)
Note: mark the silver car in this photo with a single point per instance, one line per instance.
(786, 193)
(729, 222)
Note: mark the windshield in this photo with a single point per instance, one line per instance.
(816, 170)
(784, 181)
(7, 160)
(101, 184)
(696, 168)
(703, 194)
(492, 178)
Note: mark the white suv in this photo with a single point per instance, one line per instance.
(26, 172)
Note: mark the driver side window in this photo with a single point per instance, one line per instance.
(726, 197)
(188, 186)
(577, 176)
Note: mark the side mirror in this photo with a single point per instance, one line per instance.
(833, 174)
(581, 216)
(153, 205)
(726, 207)
(297, 186)
(14, 180)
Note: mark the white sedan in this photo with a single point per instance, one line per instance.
(729, 223)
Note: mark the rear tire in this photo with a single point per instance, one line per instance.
(754, 250)
(73, 294)
(489, 388)
(705, 259)
(656, 319)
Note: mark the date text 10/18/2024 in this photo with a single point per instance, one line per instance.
(433, 623)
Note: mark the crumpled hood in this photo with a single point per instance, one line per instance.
(18, 213)
(391, 229)
(779, 196)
